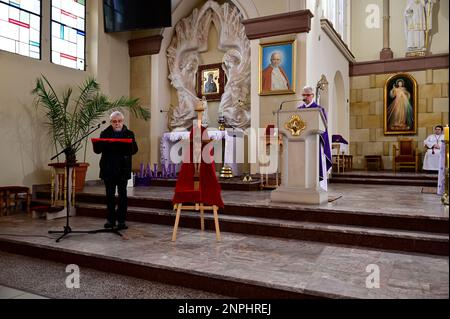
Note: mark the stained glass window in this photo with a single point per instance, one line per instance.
(20, 27)
(68, 33)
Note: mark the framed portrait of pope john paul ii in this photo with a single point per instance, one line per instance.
(277, 68)
(400, 105)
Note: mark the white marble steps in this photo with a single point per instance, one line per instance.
(387, 175)
(242, 266)
(374, 237)
(434, 224)
(233, 286)
(388, 180)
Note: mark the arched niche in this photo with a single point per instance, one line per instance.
(340, 110)
(189, 40)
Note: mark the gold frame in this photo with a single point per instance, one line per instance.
(221, 81)
(414, 100)
(261, 68)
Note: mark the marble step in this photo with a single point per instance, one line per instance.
(384, 181)
(373, 237)
(410, 222)
(243, 266)
(428, 177)
(235, 285)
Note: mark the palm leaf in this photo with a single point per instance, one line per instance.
(89, 89)
(68, 120)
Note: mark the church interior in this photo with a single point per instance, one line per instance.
(288, 149)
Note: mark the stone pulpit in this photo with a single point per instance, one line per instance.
(301, 131)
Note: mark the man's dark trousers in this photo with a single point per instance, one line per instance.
(110, 185)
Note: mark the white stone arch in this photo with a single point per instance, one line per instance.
(190, 39)
(247, 8)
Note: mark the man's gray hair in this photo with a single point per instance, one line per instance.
(309, 90)
(116, 114)
(275, 52)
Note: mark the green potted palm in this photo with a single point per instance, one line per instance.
(70, 118)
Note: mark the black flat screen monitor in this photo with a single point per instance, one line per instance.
(132, 15)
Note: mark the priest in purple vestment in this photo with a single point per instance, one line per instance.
(325, 163)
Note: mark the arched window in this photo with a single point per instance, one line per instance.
(335, 11)
(20, 27)
(68, 33)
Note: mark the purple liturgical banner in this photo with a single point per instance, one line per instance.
(441, 176)
(336, 138)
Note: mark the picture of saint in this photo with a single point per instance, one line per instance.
(400, 105)
(210, 82)
(274, 77)
(210, 85)
(277, 68)
(400, 111)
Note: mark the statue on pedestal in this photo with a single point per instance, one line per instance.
(418, 24)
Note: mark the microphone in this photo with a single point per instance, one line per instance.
(98, 125)
(282, 103)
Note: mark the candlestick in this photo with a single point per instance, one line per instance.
(446, 133)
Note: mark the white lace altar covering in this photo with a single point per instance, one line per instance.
(169, 139)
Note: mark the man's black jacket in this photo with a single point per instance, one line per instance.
(115, 162)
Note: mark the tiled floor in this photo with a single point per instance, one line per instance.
(299, 266)
(11, 293)
(48, 278)
(335, 271)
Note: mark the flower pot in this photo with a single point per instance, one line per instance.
(80, 176)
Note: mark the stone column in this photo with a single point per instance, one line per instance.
(386, 53)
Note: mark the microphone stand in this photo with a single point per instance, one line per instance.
(67, 229)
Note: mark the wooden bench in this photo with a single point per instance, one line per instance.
(11, 196)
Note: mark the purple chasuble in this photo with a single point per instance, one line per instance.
(324, 141)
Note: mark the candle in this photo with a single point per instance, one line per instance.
(163, 171)
(155, 172)
(446, 133)
(148, 172)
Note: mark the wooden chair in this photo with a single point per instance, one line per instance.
(348, 162)
(338, 159)
(405, 155)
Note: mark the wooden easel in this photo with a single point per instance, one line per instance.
(197, 206)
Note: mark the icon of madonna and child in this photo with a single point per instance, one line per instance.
(400, 105)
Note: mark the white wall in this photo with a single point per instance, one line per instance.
(367, 43)
(25, 145)
(323, 57)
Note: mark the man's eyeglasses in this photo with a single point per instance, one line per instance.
(306, 94)
(116, 121)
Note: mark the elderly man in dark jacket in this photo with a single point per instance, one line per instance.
(115, 167)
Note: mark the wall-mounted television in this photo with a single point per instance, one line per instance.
(132, 15)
